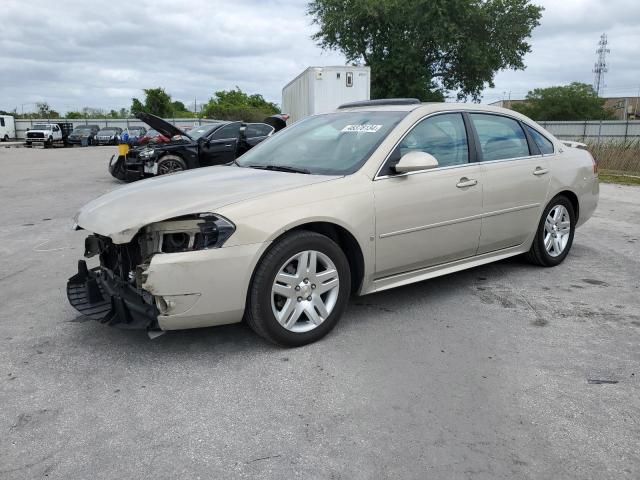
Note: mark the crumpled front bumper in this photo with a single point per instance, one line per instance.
(126, 169)
(101, 296)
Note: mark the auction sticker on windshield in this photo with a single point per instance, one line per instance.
(362, 128)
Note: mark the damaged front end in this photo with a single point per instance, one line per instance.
(117, 292)
(112, 293)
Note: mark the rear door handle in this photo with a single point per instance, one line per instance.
(540, 171)
(466, 182)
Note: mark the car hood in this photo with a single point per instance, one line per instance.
(120, 214)
(160, 125)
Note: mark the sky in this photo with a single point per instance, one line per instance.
(76, 54)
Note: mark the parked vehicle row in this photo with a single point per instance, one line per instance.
(65, 134)
(370, 197)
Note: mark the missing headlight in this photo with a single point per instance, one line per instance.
(188, 233)
(175, 242)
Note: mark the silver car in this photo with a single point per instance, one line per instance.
(373, 196)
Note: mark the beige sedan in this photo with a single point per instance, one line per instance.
(373, 196)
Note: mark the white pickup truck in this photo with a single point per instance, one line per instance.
(48, 134)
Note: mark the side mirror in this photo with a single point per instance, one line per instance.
(416, 161)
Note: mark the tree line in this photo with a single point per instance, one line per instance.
(223, 105)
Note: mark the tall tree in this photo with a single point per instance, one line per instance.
(136, 106)
(424, 48)
(156, 102)
(577, 101)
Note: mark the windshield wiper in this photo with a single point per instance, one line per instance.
(281, 168)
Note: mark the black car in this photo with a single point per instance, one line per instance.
(206, 145)
(109, 136)
(83, 132)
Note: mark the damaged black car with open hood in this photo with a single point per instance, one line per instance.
(212, 143)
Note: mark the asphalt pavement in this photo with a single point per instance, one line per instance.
(500, 372)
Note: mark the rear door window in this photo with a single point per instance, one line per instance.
(500, 137)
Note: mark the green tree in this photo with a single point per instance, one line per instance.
(424, 48)
(73, 114)
(577, 101)
(157, 102)
(45, 111)
(136, 106)
(237, 105)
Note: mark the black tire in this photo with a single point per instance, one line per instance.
(49, 142)
(259, 314)
(6, 138)
(171, 164)
(538, 254)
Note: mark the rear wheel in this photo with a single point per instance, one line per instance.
(171, 164)
(299, 290)
(554, 237)
(6, 138)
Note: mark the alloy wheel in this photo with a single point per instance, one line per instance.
(557, 230)
(169, 166)
(305, 291)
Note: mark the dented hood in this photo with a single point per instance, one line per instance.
(120, 214)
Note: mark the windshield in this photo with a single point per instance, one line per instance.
(331, 144)
(81, 129)
(41, 126)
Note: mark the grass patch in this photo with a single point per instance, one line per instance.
(621, 156)
(606, 177)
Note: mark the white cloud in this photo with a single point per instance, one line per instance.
(100, 54)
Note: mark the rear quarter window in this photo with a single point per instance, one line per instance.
(544, 144)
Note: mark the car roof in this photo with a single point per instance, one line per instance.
(427, 108)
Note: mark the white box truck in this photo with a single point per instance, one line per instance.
(7, 128)
(323, 89)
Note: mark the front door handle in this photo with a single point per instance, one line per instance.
(466, 182)
(540, 171)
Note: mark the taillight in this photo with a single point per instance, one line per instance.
(595, 164)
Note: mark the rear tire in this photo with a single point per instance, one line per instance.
(312, 300)
(554, 236)
(6, 138)
(171, 164)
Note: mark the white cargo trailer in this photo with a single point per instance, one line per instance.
(7, 127)
(322, 89)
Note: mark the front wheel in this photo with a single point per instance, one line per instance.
(171, 164)
(299, 290)
(554, 236)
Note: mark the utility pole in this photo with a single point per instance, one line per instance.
(600, 67)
